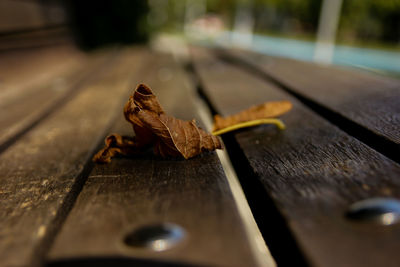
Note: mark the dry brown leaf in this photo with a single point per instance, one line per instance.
(152, 126)
(263, 111)
(116, 144)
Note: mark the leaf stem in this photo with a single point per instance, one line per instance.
(234, 127)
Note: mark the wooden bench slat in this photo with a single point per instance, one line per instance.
(25, 105)
(369, 100)
(133, 192)
(25, 69)
(312, 171)
(40, 174)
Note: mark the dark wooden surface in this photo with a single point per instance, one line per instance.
(351, 98)
(41, 173)
(59, 209)
(312, 171)
(26, 69)
(146, 190)
(32, 90)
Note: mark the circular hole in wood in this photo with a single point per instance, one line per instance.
(384, 211)
(157, 237)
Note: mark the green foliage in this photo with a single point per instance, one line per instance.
(361, 20)
(370, 20)
(290, 15)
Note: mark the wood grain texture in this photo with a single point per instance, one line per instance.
(367, 99)
(312, 171)
(145, 190)
(41, 173)
(28, 68)
(30, 91)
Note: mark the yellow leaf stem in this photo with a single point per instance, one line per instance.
(237, 126)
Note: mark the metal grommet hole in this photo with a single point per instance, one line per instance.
(157, 237)
(383, 211)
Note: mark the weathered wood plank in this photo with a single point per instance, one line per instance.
(39, 38)
(43, 86)
(145, 190)
(23, 15)
(23, 69)
(312, 171)
(41, 174)
(369, 100)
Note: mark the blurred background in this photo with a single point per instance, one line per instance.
(357, 33)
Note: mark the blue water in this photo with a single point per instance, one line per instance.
(343, 55)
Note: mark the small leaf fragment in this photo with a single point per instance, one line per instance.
(263, 111)
(116, 144)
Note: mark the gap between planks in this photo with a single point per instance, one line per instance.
(180, 51)
(259, 247)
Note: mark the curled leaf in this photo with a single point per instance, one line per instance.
(263, 111)
(152, 126)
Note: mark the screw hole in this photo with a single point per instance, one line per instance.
(157, 237)
(383, 211)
